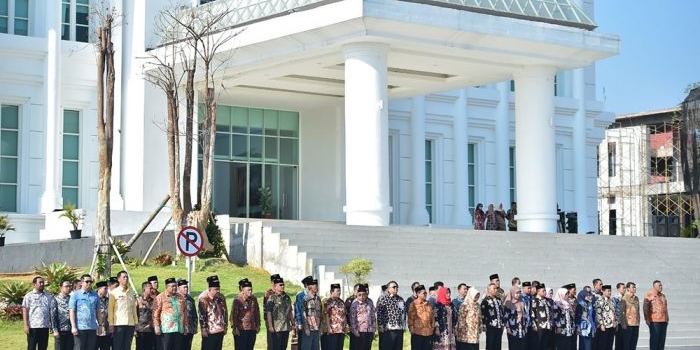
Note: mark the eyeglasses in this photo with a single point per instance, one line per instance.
(396, 287)
(87, 281)
(67, 286)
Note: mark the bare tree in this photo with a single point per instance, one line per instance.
(105, 15)
(690, 154)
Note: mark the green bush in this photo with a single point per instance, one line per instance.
(122, 248)
(12, 293)
(358, 269)
(55, 273)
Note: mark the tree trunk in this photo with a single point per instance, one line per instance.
(173, 134)
(189, 136)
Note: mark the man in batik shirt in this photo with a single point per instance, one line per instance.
(184, 289)
(213, 315)
(391, 318)
(63, 338)
(245, 317)
(266, 295)
(145, 338)
(362, 320)
(630, 317)
(605, 319)
(335, 319)
(298, 311)
(492, 312)
(36, 314)
(541, 316)
(311, 316)
(279, 315)
(104, 339)
(617, 300)
(170, 316)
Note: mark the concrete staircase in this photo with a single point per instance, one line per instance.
(427, 254)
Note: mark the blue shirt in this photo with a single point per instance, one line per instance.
(298, 307)
(85, 305)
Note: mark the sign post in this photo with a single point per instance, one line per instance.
(189, 243)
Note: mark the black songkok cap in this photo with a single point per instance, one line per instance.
(384, 287)
(278, 280)
(493, 277)
(335, 285)
(431, 288)
(438, 284)
(213, 281)
(113, 280)
(419, 288)
(274, 277)
(153, 278)
(101, 284)
(540, 286)
(244, 283)
(307, 280)
(366, 285)
(362, 289)
(170, 280)
(181, 282)
(526, 284)
(607, 287)
(569, 286)
(313, 282)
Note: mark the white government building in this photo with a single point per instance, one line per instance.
(369, 112)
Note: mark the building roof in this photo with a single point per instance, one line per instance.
(645, 118)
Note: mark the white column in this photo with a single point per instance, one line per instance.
(502, 145)
(460, 214)
(534, 147)
(579, 145)
(419, 215)
(366, 135)
(51, 198)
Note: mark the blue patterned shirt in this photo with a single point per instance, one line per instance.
(85, 305)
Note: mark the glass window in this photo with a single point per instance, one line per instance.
(240, 147)
(289, 151)
(511, 168)
(223, 118)
(471, 174)
(9, 151)
(222, 145)
(270, 122)
(22, 17)
(256, 147)
(70, 179)
(255, 121)
(75, 16)
(239, 118)
(289, 124)
(429, 179)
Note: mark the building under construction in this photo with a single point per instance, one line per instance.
(640, 180)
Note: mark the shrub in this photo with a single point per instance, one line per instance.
(122, 248)
(55, 273)
(11, 313)
(12, 293)
(163, 259)
(358, 269)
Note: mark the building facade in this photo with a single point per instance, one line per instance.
(361, 111)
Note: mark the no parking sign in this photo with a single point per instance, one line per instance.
(189, 241)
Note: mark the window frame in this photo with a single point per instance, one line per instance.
(11, 17)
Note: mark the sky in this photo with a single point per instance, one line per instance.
(659, 53)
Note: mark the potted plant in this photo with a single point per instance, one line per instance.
(265, 201)
(5, 226)
(74, 216)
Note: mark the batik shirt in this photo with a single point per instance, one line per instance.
(527, 300)
(616, 299)
(336, 317)
(61, 314)
(245, 314)
(191, 315)
(213, 314)
(655, 307)
(563, 320)
(515, 322)
(362, 316)
(145, 323)
(169, 313)
(103, 317)
(280, 307)
(585, 319)
(492, 311)
(311, 312)
(540, 314)
(85, 305)
(348, 304)
(391, 312)
(38, 306)
(468, 323)
(605, 313)
(630, 310)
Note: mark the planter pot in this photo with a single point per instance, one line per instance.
(2, 241)
(75, 234)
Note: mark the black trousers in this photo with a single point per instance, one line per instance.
(213, 342)
(515, 343)
(279, 340)
(467, 346)
(564, 343)
(86, 340)
(269, 340)
(607, 338)
(145, 341)
(172, 341)
(657, 335)
(38, 339)
(64, 341)
(494, 336)
(187, 341)
(122, 337)
(531, 339)
(392, 340)
(422, 342)
(630, 337)
(364, 341)
(245, 340)
(542, 339)
(104, 342)
(619, 341)
(333, 341)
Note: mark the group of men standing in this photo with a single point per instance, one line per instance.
(112, 315)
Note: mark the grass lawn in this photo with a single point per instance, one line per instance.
(13, 336)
